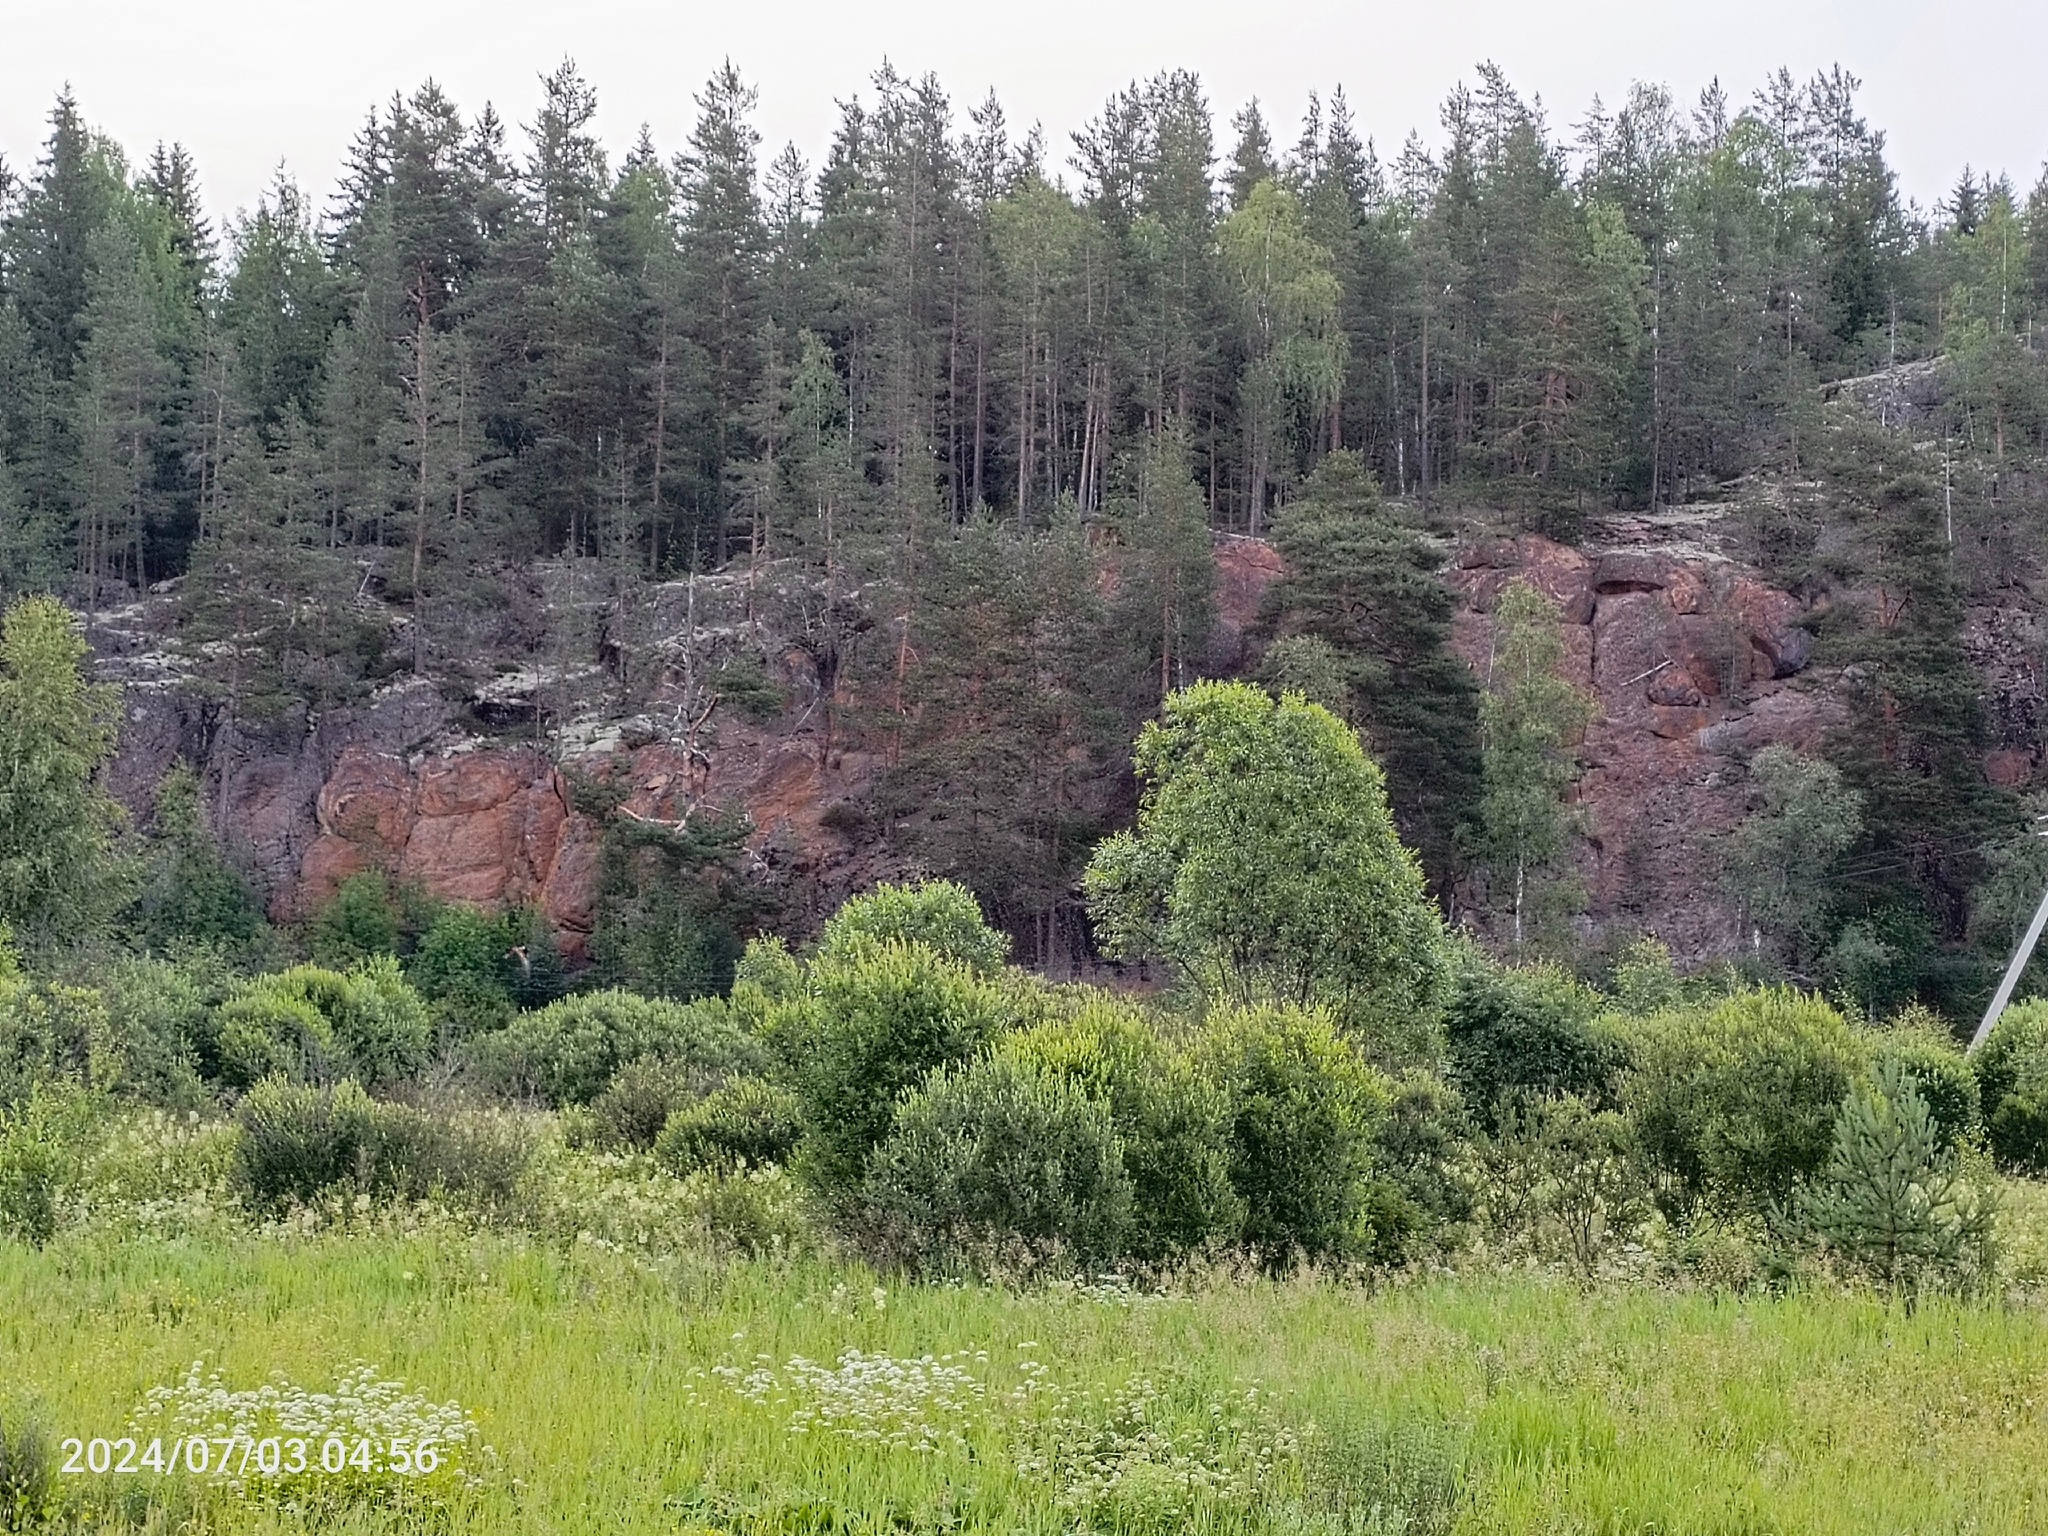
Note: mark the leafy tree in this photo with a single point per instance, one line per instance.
(60, 875)
(1530, 719)
(672, 905)
(1780, 861)
(1265, 865)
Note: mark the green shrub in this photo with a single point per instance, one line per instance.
(879, 1018)
(1734, 1102)
(360, 921)
(749, 1123)
(1892, 1200)
(2011, 1068)
(1172, 1121)
(1000, 1152)
(51, 1033)
(161, 1009)
(641, 1097)
(188, 891)
(42, 1140)
(942, 916)
(1513, 1031)
(1923, 1050)
(476, 1156)
(463, 965)
(299, 1139)
(567, 1052)
(1303, 1111)
(1421, 1186)
(311, 1024)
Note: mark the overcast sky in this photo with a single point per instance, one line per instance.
(245, 84)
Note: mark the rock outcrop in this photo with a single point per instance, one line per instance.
(1694, 663)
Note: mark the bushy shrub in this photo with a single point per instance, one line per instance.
(1172, 1121)
(942, 916)
(42, 1140)
(1734, 1102)
(748, 1123)
(879, 1017)
(1000, 1152)
(1303, 1110)
(161, 1009)
(360, 921)
(51, 1033)
(1918, 1045)
(641, 1097)
(1514, 1031)
(1891, 1200)
(313, 1025)
(299, 1139)
(1422, 1187)
(567, 1052)
(477, 1156)
(463, 965)
(2011, 1068)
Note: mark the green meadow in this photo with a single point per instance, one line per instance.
(687, 1393)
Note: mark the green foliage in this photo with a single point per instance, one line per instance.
(1265, 866)
(567, 1052)
(999, 1151)
(747, 1123)
(1892, 1199)
(311, 1024)
(942, 916)
(476, 967)
(360, 921)
(1170, 1118)
(1734, 1102)
(1780, 861)
(876, 1022)
(1422, 1187)
(1304, 1111)
(1519, 1031)
(300, 1141)
(1919, 1045)
(189, 893)
(672, 905)
(644, 1094)
(1364, 624)
(42, 1143)
(2011, 1068)
(28, 1466)
(1530, 721)
(51, 1034)
(60, 878)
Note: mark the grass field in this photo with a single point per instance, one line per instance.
(616, 1395)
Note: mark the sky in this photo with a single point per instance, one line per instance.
(247, 85)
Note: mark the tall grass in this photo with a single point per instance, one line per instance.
(613, 1389)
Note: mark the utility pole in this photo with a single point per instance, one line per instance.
(2018, 965)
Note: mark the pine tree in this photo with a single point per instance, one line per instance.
(1892, 1200)
(1368, 588)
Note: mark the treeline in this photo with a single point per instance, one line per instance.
(507, 346)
